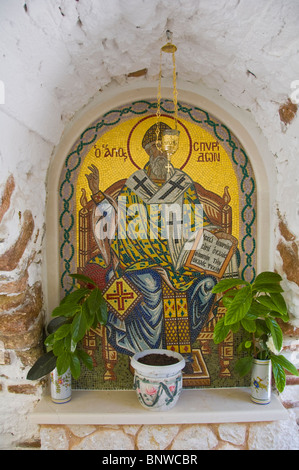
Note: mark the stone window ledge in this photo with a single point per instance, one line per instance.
(224, 405)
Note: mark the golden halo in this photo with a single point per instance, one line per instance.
(138, 155)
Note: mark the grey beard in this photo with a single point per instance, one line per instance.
(158, 166)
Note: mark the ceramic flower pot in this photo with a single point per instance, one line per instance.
(61, 386)
(158, 387)
(261, 381)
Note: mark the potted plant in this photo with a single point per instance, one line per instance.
(256, 308)
(158, 378)
(76, 314)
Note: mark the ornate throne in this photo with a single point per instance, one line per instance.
(219, 212)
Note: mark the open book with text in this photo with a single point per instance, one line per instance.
(211, 252)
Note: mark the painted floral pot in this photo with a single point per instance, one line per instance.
(158, 387)
(261, 381)
(61, 386)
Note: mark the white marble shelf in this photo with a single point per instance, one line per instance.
(223, 405)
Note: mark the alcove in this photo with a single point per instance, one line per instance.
(239, 122)
(238, 133)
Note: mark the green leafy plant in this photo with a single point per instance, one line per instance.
(76, 314)
(255, 308)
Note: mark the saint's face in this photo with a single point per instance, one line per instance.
(157, 161)
(154, 152)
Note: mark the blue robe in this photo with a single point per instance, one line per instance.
(144, 327)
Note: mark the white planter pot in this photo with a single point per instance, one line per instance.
(261, 381)
(158, 387)
(61, 386)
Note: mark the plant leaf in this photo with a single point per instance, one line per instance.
(257, 310)
(102, 311)
(226, 284)
(55, 323)
(58, 347)
(62, 331)
(243, 365)
(49, 341)
(94, 300)
(228, 297)
(75, 296)
(70, 344)
(83, 278)
(75, 366)
(43, 366)
(86, 359)
(279, 375)
(270, 288)
(267, 277)
(266, 301)
(79, 326)
(220, 331)
(65, 309)
(235, 327)
(63, 362)
(280, 304)
(227, 300)
(282, 361)
(276, 332)
(261, 328)
(90, 317)
(239, 306)
(241, 347)
(248, 325)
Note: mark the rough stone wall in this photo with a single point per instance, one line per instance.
(55, 56)
(236, 436)
(21, 320)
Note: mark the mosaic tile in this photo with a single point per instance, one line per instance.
(156, 297)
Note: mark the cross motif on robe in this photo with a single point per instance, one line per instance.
(174, 185)
(174, 222)
(120, 295)
(140, 183)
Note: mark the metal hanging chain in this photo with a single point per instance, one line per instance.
(158, 113)
(175, 93)
(168, 48)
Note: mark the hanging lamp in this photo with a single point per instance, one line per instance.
(167, 140)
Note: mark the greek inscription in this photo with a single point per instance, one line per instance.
(208, 238)
(207, 151)
(205, 247)
(107, 152)
(212, 253)
(217, 262)
(222, 244)
(219, 253)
